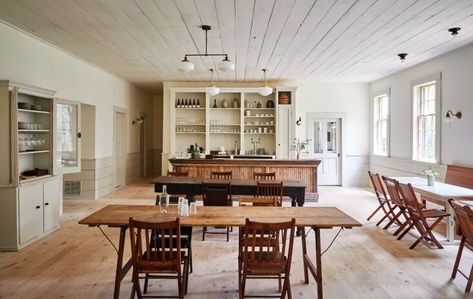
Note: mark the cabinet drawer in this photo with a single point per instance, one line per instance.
(31, 211)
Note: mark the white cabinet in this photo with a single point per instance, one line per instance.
(37, 144)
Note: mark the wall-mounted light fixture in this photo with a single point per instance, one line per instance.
(299, 121)
(450, 115)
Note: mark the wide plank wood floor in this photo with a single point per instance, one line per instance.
(78, 262)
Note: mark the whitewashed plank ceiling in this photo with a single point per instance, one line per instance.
(143, 41)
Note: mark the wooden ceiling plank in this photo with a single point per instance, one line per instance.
(244, 10)
(426, 27)
(225, 11)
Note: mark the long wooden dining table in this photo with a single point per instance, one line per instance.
(316, 218)
(193, 186)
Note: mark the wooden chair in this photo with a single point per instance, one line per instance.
(178, 174)
(266, 254)
(258, 201)
(270, 189)
(418, 216)
(222, 175)
(217, 195)
(262, 176)
(154, 259)
(186, 235)
(397, 204)
(383, 199)
(464, 218)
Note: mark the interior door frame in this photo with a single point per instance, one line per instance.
(312, 116)
(124, 144)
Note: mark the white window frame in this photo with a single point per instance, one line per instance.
(385, 92)
(415, 86)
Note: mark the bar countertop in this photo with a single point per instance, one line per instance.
(250, 161)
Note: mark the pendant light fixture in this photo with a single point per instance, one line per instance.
(225, 65)
(265, 90)
(212, 90)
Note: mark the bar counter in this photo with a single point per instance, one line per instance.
(243, 169)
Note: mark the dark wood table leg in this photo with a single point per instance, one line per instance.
(304, 253)
(316, 271)
(121, 271)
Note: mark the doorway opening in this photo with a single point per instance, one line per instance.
(119, 146)
(326, 134)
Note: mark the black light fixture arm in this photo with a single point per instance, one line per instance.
(206, 28)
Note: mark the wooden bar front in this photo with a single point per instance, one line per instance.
(243, 169)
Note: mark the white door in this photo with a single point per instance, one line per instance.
(325, 134)
(31, 211)
(51, 204)
(118, 148)
(283, 132)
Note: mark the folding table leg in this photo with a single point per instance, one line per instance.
(304, 253)
(316, 270)
(121, 271)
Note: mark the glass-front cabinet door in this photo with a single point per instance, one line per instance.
(68, 134)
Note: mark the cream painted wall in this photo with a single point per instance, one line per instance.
(28, 60)
(348, 98)
(351, 99)
(457, 90)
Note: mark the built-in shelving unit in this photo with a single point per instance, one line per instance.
(237, 120)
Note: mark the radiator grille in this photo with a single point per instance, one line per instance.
(72, 187)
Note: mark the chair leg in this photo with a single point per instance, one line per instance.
(242, 286)
(391, 211)
(228, 233)
(190, 258)
(203, 233)
(458, 258)
(186, 275)
(289, 291)
(286, 287)
(145, 287)
(374, 212)
(279, 283)
(396, 217)
(427, 231)
(470, 281)
(402, 226)
(411, 225)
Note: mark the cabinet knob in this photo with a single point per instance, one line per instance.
(38, 207)
(46, 203)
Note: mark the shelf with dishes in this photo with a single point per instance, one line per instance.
(29, 152)
(33, 111)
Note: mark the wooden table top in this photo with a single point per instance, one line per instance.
(321, 217)
(198, 181)
(439, 190)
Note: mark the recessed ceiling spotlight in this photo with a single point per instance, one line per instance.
(454, 30)
(402, 56)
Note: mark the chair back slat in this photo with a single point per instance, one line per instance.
(464, 219)
(217, 194)
(268, 245)
(262, 176)
(153, 237)
(270, 188)
(393, 191)
(378, 187)
(410, 199)
(178, 173)
(221, 175)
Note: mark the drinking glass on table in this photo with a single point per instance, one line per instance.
(184, 210)
(193, 208)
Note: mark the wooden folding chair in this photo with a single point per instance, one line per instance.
(266, 254)
(263, 176)
(418, 218)
(156, 260)
(270, 189)
(464, 219)
(397, 203)
(222, 175)
(178, 174)
(271, 201)
(217, 195)
(383, 199)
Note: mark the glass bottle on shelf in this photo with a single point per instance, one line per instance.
(215, 103)
(198, 103)
(178, 103)
(193, 103)
(186, 105)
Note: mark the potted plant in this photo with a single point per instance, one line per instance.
(300, 146)
(431, 175)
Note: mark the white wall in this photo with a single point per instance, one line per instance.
(28, 60)
(457, 90)
(348, 98)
